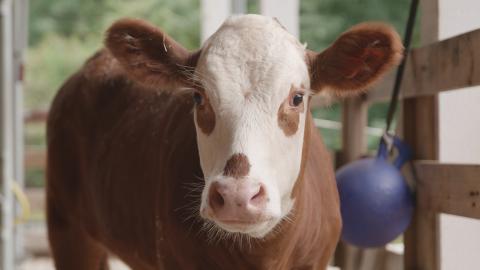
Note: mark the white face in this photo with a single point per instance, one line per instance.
(250, 117)
(253, 74)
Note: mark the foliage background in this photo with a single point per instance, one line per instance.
(64, 33)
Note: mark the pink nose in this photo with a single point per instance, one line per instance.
(238, 201)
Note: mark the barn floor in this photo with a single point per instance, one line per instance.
(45, 263)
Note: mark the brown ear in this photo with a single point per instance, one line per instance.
(357, 59)
(150, 56)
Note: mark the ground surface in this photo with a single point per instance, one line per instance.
(45, 263)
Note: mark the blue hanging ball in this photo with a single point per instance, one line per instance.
(376, 202)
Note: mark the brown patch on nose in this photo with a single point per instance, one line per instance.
(205, 117)
(237, 166)
(289, 115)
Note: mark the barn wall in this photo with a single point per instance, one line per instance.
(459, 129)
(459, 111)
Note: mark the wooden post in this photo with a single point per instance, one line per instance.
(214, 14)
(354, 145)
(6, 136)
(354, 119)
(239, 6)
(420, 127)
(286, 12)
(20, 26)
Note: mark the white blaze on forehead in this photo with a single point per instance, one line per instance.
(253, 53)
(248, 68)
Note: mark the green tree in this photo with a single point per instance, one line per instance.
(64, 33)
(66, 18)
(322, 21)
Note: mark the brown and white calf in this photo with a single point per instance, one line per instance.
(236, 177)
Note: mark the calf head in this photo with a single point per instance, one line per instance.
(251, 83)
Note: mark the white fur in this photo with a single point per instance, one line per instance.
(247, 68)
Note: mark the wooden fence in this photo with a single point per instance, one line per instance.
(35, 158)
(440, 188)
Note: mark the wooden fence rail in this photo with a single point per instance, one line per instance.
(436, 67)
(446, 65)
(442, 66)
(448, 188)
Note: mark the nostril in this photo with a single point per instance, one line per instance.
(260, 197)
(215, 198)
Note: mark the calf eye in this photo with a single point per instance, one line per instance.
(198, 98)
(297, 99)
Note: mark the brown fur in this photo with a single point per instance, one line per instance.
(119, 160)
(237, 166)
(123, 158)
(206, 117)
(288, 115)
(356, 59)
(151, 56)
